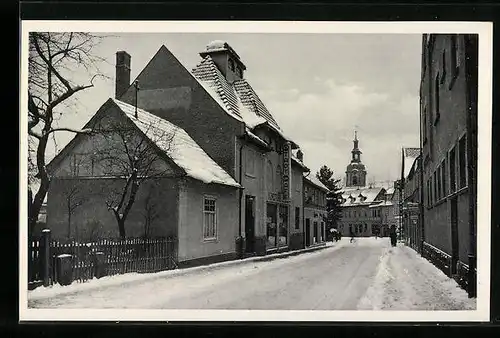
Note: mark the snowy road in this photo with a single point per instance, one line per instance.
(367, 274)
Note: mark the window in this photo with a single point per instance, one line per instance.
(462, 166)
(209, 218)
(434, 180)
(436, 99)
(231, 64)
(453, 184)
(424, 127)
(250, 162)
(430, 191)
(270, 176)
(454, 60)
(443, 67)
(315, 230)
(438, 180)
(271, 225)
(443, 178)
(297, 218)
(82, 164)
(277, 180)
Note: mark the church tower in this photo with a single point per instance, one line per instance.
(356, 172)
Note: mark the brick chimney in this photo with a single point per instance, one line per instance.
(122, 81)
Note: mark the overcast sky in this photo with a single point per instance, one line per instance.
(319, 87)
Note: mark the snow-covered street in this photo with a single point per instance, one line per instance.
(367, 274)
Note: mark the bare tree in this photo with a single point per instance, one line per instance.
(53, 58)
(150, 212)
(74, 200)
(132, 155)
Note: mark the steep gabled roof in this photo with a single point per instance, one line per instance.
(183, 150)
(314, 181)
(237, 98)
(360, 196)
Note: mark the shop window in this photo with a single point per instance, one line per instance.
(283, 225)
(271, 225)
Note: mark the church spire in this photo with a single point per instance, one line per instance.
(356, 171)
(356, 146)
(356, 153)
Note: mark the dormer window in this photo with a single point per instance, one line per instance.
(231, 65)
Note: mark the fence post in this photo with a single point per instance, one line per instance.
(45, 256)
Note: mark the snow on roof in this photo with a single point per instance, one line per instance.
(299, 162)
(382, 204)
(389, 191)
(314, 180)
(182, 149)
(237, 98)
(410, 155)
(216, 44)
(360, 196)
(256, 138)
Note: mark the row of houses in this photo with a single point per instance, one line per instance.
(438, 179)
(200, 158)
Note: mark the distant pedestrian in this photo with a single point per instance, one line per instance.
(351, 233)
(393, 235)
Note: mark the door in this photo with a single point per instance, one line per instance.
(308, 232)
(250, 223)
(454, 235)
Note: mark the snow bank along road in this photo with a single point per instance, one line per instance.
(367, 274)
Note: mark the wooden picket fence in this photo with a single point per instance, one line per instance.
(143, 255)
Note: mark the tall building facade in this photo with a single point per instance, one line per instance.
(217, 106)
(448, 115)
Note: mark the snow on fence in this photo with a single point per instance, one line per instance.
(105, 257)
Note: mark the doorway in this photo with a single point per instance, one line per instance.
(454, 234)
(308, 232)
(250, 223)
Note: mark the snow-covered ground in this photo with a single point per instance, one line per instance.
(366, 274)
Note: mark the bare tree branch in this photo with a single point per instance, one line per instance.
(126, 153)
(76, 131)
(53, 56)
